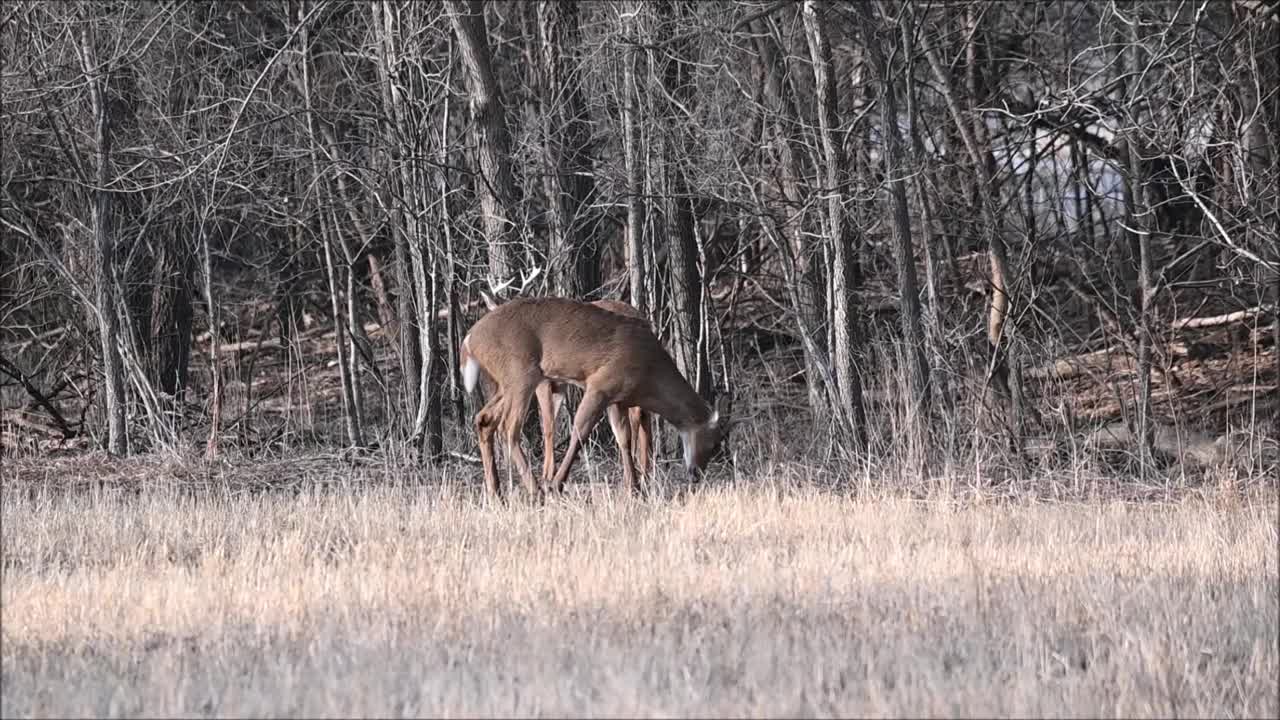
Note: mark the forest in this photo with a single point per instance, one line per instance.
(983, 293)
(996, 235)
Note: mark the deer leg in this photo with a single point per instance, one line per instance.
(486, 424)
(641, 439)
(618, 420)
(548, 406)
(586, 418)
(513, 422)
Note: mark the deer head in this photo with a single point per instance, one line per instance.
(703, 442)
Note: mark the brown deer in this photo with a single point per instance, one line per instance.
(617, 361)
(550, 397)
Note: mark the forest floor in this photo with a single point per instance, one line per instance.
(320, 586)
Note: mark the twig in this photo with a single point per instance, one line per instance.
(16, 373)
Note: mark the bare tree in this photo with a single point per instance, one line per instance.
(341, 330)
(972, 133)
(896, 169)
(636, 271)
(574, 247)
(403, 228)
(1139, 215)
(803, 271)
(97, 77)
(685, 286)
(495, 184)
(843, 306)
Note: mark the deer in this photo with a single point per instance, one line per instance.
(550, 397)
(616, 359)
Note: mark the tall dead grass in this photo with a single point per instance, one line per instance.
(761, 599)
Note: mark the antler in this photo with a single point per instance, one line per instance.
(525, 280)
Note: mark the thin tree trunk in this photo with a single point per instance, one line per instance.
(1140, 215)
(904, 250)
(211, 447)
(286, 262)
(426, 423)
(451, 262)
(351, 411)
(842, 298)
(806, 298)
(932, 313)
(635, 179)
(384, 14)
(104, 244)
(997, 253)
(356, 338)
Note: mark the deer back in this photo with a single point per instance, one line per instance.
(566, 339)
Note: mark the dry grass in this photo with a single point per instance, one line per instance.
(746, 601)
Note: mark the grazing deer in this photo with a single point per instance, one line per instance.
(617, 360)
(550, 396)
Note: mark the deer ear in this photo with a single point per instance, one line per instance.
(489, 300)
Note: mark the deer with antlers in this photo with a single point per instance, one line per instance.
(532, 343)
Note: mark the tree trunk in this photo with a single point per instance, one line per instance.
(806, 303)
(574, 252)
(635, 178)
(1139, 218)
(932, 313)
(212, 443)
(843, 303)
(351, 410)
(496, 184)
(904, 250)
(1005, 412)
(686, 290)
(105, 249)
(384, 15)
(454, 331)
(172, 315)
(286, 262)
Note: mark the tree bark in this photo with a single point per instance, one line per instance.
(631, 150)
(384, 15)
(97, 79)
(792, 158)
(172, 315)
(351, 410)
(904, 250)
(1139, 214)
(496, 184)
(685, 288)
(843, 303)
(1007, 413)
(574, 249)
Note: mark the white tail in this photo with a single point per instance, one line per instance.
(470, 368)
(527, 346)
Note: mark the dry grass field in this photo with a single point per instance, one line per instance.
(754, 598)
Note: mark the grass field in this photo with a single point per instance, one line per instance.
(755, 599)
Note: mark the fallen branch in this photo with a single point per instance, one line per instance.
(1218, 320)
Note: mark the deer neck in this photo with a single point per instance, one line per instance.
(679, 404)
